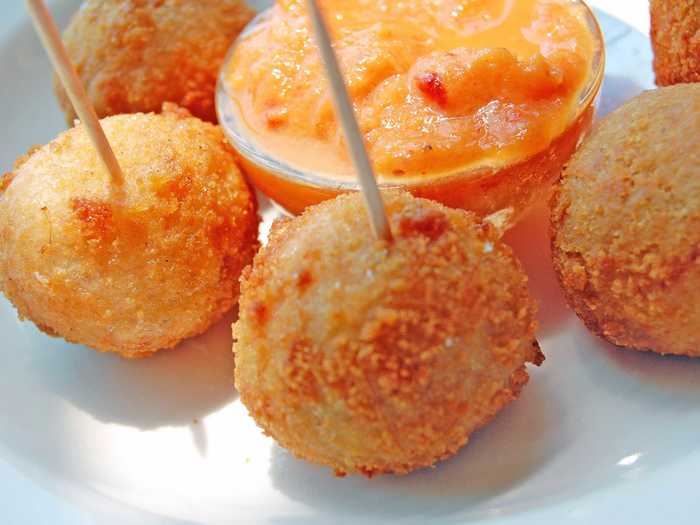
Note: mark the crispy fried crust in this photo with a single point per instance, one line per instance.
(626, 225)
(133, 55)
(675, 37)
(130, 276)
(374, 358)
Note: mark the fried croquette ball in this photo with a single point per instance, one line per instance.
(136, 272)
(371, 357)
(134, 55)
(675, 38)
(626, 225)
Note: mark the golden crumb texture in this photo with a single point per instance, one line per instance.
(135, 270)
(370, 357)
(675, 38)
(133, 55)
(626, 224)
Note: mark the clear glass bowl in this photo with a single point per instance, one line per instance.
(485, 190)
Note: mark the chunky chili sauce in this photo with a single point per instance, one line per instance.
(438, 85)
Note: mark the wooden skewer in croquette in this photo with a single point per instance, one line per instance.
(126, 258)
(137, 271)
(375, 357)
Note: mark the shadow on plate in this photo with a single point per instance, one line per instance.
(175, 387)
(615, 92)
(484, 476)
(663, 389)
(671, 382)
(627, 50)
(531, 244)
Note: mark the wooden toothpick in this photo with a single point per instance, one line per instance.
(346, 114)
(51, 40)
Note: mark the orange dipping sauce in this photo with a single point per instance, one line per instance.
(439, 87)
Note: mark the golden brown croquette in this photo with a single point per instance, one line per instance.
(371, 357)
(129, 274)
(675, 38)
(626, 224)
(134, 55)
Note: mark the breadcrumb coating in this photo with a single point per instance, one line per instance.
(371, 357)
(626, 224)
(675, 38)
(133, 55)
(134, 273)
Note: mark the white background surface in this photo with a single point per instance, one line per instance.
(600, 435)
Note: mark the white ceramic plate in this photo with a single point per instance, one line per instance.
(600, 435)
